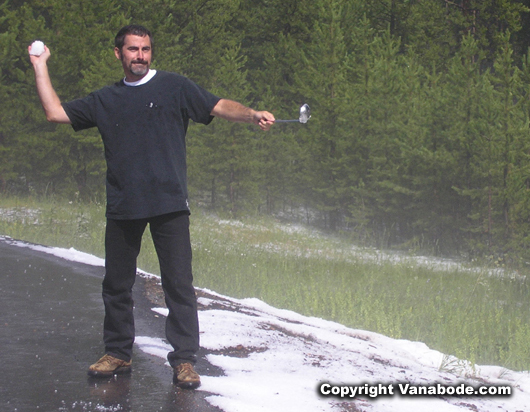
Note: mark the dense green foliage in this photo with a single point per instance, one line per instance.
(420, 129)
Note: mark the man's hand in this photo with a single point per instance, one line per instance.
(42, 59)
(264, 120)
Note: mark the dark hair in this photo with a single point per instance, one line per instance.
(134, 29)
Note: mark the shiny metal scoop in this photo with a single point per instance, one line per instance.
(305, 115)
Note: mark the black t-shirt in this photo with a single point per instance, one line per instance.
(143, 130)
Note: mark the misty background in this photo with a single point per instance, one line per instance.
(419, 136)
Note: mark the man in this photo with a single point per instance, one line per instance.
(143, 121)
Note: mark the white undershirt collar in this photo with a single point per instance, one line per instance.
(143, 80)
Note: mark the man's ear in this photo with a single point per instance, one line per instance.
(117, 53)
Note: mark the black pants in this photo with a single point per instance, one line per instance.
(172, 243)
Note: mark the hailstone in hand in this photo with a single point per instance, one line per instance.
(37, 48)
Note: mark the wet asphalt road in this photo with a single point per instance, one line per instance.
(51, 316)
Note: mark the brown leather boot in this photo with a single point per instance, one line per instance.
(185, 376)
(108, 366)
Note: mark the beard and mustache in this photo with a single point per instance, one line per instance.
(139, 67)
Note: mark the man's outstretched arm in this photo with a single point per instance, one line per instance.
(48, 97)
(236, 112)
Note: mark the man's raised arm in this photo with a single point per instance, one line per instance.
(236, 112)
(48, 97)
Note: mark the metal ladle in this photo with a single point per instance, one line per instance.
(305, 115)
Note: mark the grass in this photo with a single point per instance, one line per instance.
(466, 312)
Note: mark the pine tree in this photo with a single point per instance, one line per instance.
(221, 156)
(326, 53)
(513, 147)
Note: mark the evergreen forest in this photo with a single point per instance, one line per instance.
(420, 130)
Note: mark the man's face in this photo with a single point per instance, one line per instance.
(135, 56)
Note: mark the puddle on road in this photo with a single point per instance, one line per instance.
(50, 332)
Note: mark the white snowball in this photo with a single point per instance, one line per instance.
(37, 48)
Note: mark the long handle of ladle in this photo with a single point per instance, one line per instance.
(287, 121)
